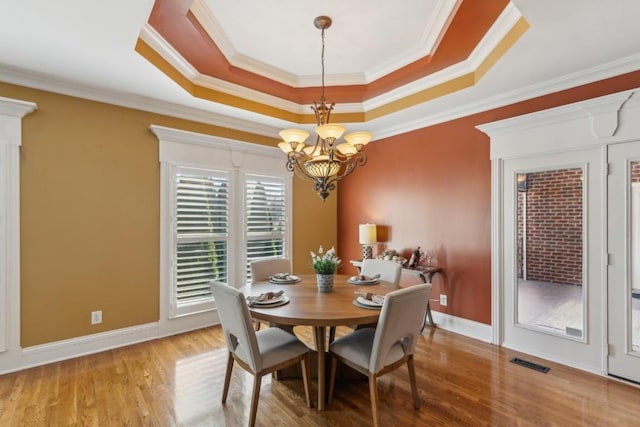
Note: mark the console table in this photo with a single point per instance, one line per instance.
(425, 274)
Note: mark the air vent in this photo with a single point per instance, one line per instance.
(530, 365)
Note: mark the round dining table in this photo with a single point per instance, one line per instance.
(307, 306)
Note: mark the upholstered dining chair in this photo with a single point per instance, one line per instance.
(375, 352)
(389, 271)
(261, 269)
(260, 352)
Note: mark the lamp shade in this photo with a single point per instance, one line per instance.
(327, 131)
(358, 138)
(294, 135)
(368, 234)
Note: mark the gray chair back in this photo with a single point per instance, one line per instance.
(236, 324)
(389, 271)
(261, 269)
(400, 323)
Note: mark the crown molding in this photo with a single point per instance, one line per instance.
(440, 19)
(594, 74)
(151, 105)
(47, 83)
(509, 17)
(16, 108)
(444, 11)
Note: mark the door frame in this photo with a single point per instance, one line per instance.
(587, 124)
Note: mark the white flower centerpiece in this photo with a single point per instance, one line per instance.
(325, 266)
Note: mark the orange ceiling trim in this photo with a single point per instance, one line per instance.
(210, 94)
(456, 84)
(428, 94)
(185, 34)
(163, 65)
(502, 47)
(471, 22)
(425, 95)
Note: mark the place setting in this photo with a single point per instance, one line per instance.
(368, 300)
(268, 299)
(363, 280)
(284, 279)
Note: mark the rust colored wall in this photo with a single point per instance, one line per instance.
(432, 187)
(439, 199)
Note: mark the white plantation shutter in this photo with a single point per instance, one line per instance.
(265, 211)
(202, 233)
(223, 203)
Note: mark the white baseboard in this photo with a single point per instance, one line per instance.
(74, 347)
(459, 325)
(95, 343)
(28, 357)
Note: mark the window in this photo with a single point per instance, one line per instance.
(223, 204)
(202, 233)
(265, 209)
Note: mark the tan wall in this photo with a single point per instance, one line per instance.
(90, 196)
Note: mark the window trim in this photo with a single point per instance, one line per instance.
(178, 148)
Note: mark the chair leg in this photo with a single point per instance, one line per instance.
(227, 378)
(332, 334)
(305, 364)
(412, 381)
(332, 377)
(255, 396)
(256, 325)
(373, 392)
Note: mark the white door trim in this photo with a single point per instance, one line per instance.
(593, 123)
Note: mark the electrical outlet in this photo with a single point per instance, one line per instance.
(443, 300)
(96, 317)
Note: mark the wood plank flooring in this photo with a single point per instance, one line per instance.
(177, 381)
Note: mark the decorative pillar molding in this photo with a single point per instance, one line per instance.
(11, 114)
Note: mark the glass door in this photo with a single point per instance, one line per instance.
(553, 270)
(624, 261)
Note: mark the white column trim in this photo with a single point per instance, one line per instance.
(11, 113)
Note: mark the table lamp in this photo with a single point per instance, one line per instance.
(367, 239)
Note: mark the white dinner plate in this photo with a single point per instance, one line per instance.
(275, 302)
(362, 300)
(288, 280)
(363, 282)
(368, 307)
(268, 301)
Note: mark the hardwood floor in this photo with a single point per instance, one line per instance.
(177, 381)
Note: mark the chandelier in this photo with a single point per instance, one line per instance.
(327, 161)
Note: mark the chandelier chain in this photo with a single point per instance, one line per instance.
(322, 63)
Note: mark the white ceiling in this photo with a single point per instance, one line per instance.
(86, 48)
(360, 47)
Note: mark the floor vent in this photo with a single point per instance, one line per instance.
(530, 365)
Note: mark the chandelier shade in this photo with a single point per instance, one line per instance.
(326, 161)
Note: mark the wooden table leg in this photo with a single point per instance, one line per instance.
(319, 333)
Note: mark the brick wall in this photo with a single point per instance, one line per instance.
(554, 226)
(635, 171)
